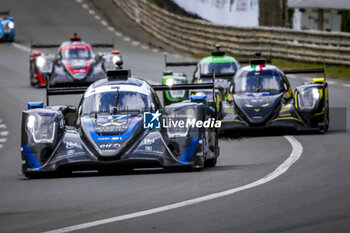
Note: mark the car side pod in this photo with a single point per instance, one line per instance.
(32, 105)
(319, 80)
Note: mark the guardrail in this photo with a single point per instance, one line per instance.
(197, 36)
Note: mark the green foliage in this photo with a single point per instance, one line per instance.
(345, 21)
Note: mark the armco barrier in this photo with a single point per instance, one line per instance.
(198, 36)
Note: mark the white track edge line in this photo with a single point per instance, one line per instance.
(21, 47)
(297, 150)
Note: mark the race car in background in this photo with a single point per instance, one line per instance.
(75, 64)
(7, 27)
(170, 78)
(260, 97)
(108, 131)
(224, 66)
(219, 63)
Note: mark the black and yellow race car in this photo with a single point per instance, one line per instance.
(260, 96)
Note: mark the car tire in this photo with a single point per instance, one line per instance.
(325, 125)
(31, 175)
(210, 162)
(31, 82)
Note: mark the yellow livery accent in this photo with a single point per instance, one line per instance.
(321, 93)
(229, 110)
(249, 106)
(296, 99)
(319, 113)
(285, 107)
(257, 109)
(229, 97)
(218, 100)
(318, 80)
(265, 105)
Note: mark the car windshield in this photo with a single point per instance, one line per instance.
(219, 82)
(258, 81)
(77, 53)
(117, 102)
(220, 68)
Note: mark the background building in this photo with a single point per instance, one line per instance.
(324, 15)
(320, 14)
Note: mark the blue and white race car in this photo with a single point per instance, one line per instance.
(7, 27)
(115, 128)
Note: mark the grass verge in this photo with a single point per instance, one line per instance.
(340, 72)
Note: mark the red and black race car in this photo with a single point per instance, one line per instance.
(75, 64)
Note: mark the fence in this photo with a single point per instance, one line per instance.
(198, 36)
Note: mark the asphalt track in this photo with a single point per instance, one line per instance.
(312, 196)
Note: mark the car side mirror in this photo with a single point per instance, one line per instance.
(119, 63)
(113, 110)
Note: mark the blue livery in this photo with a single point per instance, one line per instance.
(7, 27)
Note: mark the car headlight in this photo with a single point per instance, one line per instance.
(176, 93)
(115, 59)
(42, 128)
(308, 98)
(315, 93)
(44, 65)
(169, 82)
(40, 62)
(11, 25)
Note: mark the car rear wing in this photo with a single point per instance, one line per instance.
(167, 64)
(7, 12)
(225, 75)
(249, 61)
(51, 91)
(196, 86)
(47, 46)
(310, 71)
(194, 63)
(183, 87)
(103, 45)
(305, 71)
(44, 46)
(76, 90)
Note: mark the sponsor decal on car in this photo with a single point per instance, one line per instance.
(148, 141)
(70, 145)
(109, 145)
